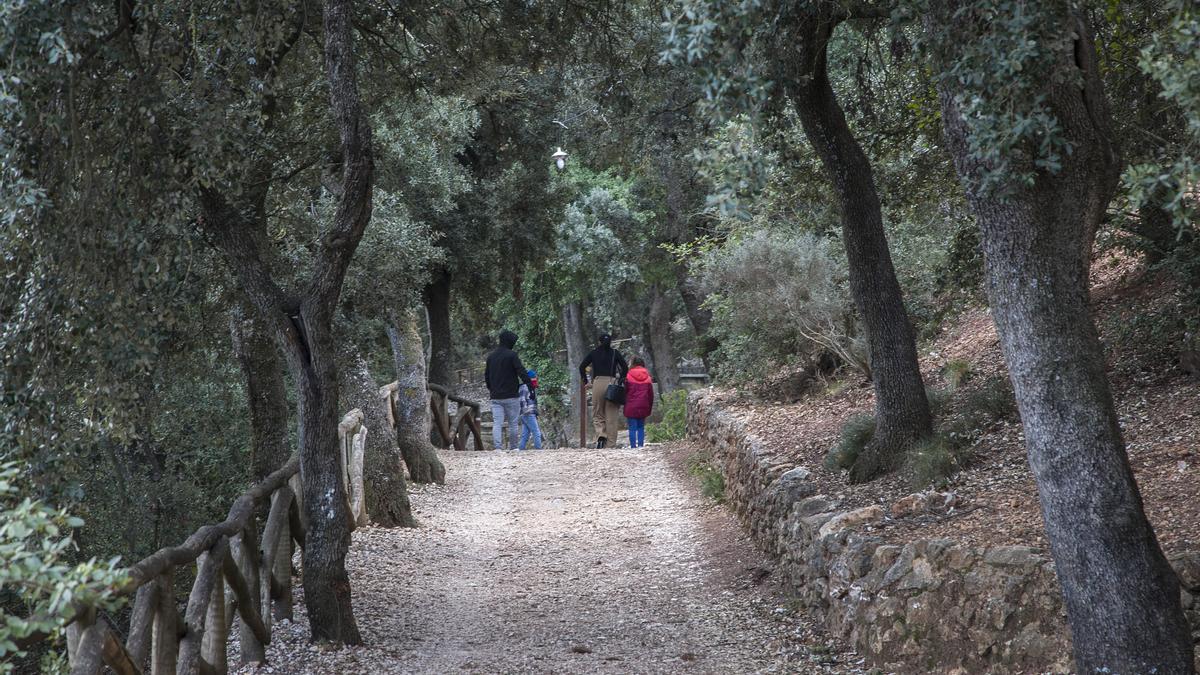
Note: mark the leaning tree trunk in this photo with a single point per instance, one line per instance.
(572, 320)
(384, 487)
(302, 326)
(441, 347)
(901, 408)
(266, 394)
(412, 401)
(1122, 597)
(658, 338)
(699, 315)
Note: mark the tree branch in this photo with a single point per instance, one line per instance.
(354, 207)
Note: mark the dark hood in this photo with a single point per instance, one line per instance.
(508, 339)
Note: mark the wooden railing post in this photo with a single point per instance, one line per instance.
(165, 639)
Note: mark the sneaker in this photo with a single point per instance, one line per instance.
(600, 442)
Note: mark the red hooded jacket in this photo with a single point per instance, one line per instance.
(639, 393)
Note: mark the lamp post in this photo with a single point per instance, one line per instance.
(560, 159)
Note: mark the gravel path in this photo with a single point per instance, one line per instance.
(563, 561)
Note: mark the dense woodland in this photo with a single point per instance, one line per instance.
(225, 224)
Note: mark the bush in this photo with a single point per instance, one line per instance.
(989, 403)
(938, 399)
(856, 434)
(674, 422)
(40, 580)
(712, 481)
(956, 372)
(778, 298)
(931, 461)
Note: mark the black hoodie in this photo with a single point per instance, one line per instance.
(504, 371)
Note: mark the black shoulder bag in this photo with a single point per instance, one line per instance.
(616, 391)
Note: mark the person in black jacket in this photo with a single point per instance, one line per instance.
(504, 374)
(607, 366)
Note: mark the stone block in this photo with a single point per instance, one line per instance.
(1014, 557)
(1187, 566)
(851, 519)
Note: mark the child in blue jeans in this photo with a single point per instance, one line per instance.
(529, 413)
(639, 401)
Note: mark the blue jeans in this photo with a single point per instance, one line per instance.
(529, 427)
(637, 431)
(505, 409)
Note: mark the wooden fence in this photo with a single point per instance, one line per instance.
(240, 572)
(456, 432)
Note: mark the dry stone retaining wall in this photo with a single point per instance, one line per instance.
(926, 605)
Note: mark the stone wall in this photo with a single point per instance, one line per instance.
(926, 605)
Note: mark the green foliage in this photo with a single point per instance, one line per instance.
(978, 409)
(712, 481)
(930, 461)
(856, 434)
(956, 372)
(674, 421)
(40, 584)
(938, 399)
(777, 298)
(1003, 50)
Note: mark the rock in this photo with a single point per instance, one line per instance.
(910, 505)
(813, 505)
(1187, 566)
(1014, 556)
(852, 519)
(810, 525)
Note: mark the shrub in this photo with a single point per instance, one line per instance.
(674, 422)
(938, 399)
(932, 461)
(856, 434)
(779, 298)
(712, 481)
(40, 579)
(991, 402)
(956, 372)
(979, 409)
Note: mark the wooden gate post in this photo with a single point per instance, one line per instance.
(583, 412)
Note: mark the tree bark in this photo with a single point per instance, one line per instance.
(266, 394)
(383, 474)
(412, 404)
(699, 316)
(901, 408)
(572, 320)
(1122, 597)
(302, 326)
(658, 339)
(441, 347)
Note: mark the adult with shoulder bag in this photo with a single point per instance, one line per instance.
(608, 368)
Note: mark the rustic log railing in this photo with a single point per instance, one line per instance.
(239, 574)
(456, 432)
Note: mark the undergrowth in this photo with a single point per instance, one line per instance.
(712, 481)
(856, 434)
(961, 417)
(674, 422)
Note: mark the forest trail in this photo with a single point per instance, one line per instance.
(562, 561)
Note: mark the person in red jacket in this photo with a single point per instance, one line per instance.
(639, 401)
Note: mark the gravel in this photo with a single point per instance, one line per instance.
(563, 561)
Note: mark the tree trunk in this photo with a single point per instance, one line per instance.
(326, 583)
(412, 401)
(572, 320)
(1122, 597)
(441, 340)
(699, 316)
(266, 394)
(901, 407)
(658, 339)
(302, 326)
(383, 474)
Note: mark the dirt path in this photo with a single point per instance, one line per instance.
(563, 561)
